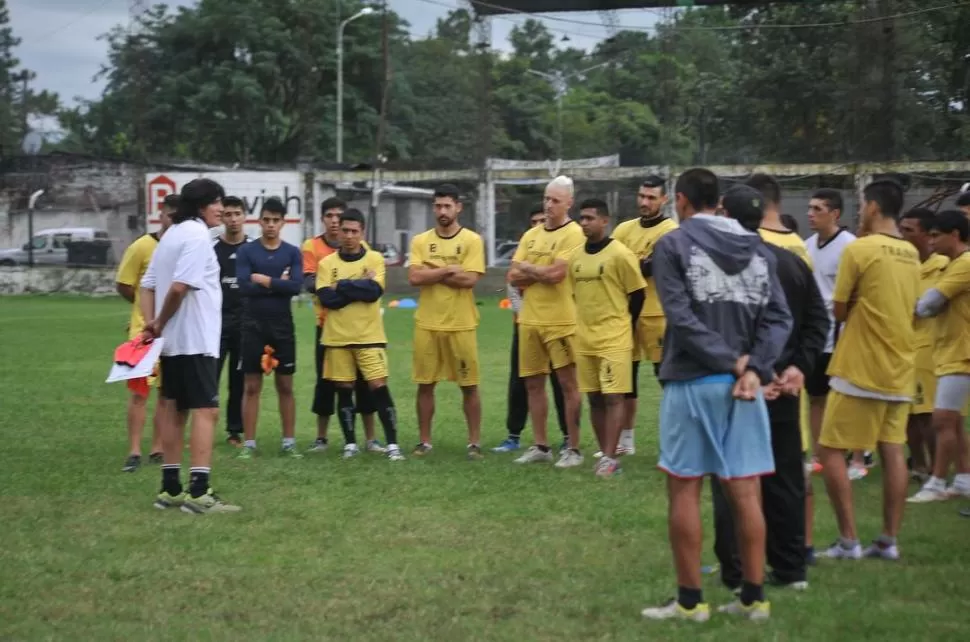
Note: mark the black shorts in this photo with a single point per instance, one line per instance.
(256, 335)
(817, 383)
(191, 381)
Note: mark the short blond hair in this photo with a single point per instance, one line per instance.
(563, 182)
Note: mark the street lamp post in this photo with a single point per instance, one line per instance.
(366, 11)
(560, 83)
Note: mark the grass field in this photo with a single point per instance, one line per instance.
(433, 549)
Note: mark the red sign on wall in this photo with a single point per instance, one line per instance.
(158, 188)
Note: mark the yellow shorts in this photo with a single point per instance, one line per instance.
(542, 346)
(445, 356)
(342, 364)
(650, 339)
(857, 423)
(610, 373)
(925, 393)
(804, 421)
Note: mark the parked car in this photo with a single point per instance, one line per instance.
(392, 257)
(51, 246)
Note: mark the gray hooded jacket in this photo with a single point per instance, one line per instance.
(722, 299)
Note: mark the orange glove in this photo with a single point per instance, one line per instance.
(268, 361)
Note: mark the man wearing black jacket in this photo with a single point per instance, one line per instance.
(783, 494)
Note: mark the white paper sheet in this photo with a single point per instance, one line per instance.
(144, 367)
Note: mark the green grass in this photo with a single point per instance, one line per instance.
(432, 549)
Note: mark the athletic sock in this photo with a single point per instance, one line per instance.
(171, 479)
(751, 593)
(387, 413)
(886, 541)
(345, 414)
(289, 442)
(689, 598)
(250, 443)
(544, 449)
(199, 480)
(935, 483)
(514, 438)
(626, 437)
(848, 544)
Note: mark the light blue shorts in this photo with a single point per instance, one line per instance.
(704, 430)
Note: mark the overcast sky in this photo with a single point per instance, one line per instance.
(60, 37)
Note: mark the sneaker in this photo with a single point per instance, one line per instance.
(156, 458)
(246, 453)
(857, 472)
(607, 467)
(774, 580)
(208, 503)
(757, 610)
(564, 445)
(928, 494)
(957, 491)
(132, 464)
(868, 460)
(570, 458)
(374, 446)
(235, 439)
(291, 452)
(394, 453)
(474, 453)
(351, 451)
(422, 449)
(598, 455)
(319, 446)
(507, 446)
(163, 500)
(533, 455)
(881, 550)
(839, 552)
(672, 610)
(625, 451)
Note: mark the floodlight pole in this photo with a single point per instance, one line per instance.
(366, 11)
(560, 83)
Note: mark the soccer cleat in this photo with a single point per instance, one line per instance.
(757, 610)
(570, 458)
(291, 452)
(156, 458)
(246, 453)
(208, 503)
(374, 446)
(534, 455)
(774, 580)
(507, 446)
(163, 500)
(839, 552)
(351, 451)
(234, 439)
(607, 467)
(394, 453)
(421, 449)
(672, 610)
(474, 453)
(881, 550)
(929, 493)
(319, 446)
(132, 464)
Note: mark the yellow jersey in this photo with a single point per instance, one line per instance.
(878, 277)
(602, 282)
(544, 304)
(788, 240)
(359, 323)
(440, 306)
(133, 265)
(640, 239)
(925, 329)
(951, 353)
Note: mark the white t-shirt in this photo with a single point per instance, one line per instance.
(825, 261)
(185, 255)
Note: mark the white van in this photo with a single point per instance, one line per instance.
(50, 246)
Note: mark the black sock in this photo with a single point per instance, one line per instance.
(171, 479)
(198, 481)
(345, 413)
(688, 597)
(387, 413)
(544, 449)
(751, 593)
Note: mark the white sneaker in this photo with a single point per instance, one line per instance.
(598, 454)
(838, 552)
(929, 494)
(569, 458)
(351, 451)
(534, 456)
(957, 491)
(374, 446)
(394, 453)
(878, 550)
(674, 611)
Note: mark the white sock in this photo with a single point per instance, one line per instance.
(626, 437)
(250, 443)
(392, 447)
(961, 480)
(289, 442)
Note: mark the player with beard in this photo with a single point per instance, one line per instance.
(446, 263)
(641, 235)
(226, 246)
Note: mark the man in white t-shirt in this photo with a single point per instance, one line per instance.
(825, 249)
(181, 301)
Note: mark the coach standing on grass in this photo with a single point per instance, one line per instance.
(181, 301)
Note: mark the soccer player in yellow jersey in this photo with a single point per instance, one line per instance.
(134, 262)
(915, 226)
(949, 301)
(350, 283)
(547, 321)
(772, 229)
(641, 235)
(609, 292)
(872, 372)
(446, 263)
